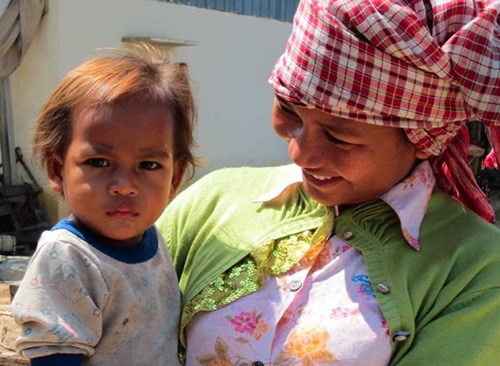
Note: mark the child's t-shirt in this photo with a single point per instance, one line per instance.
(115, 306)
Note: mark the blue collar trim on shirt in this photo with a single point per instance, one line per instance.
(137, 253)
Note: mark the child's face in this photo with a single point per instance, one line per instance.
(119, 170)
(342, 161)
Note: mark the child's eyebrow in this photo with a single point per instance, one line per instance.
(150, 152)
(161, 153)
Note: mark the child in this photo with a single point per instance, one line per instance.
(115, 139)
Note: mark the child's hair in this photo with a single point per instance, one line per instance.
(141, 72)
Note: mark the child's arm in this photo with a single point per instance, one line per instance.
(59, 301)
(57, 360)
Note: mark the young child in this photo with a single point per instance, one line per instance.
(115, 139)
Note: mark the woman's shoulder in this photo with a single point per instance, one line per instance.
(446, 214)
(228, 183)
(251, 173)
(453, 230)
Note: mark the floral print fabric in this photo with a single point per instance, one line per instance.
(321, 310)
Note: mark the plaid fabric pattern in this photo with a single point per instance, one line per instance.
(396, 63)
(427, 66)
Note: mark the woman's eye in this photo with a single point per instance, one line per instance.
(335, 140)
(97, 162)
(149, 165)
(286, 109)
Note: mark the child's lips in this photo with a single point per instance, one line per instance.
(122, 212)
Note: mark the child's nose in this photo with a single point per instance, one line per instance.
(124, 184)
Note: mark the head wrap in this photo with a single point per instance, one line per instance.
(427, 66)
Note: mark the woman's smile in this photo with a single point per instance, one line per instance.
(320, 180)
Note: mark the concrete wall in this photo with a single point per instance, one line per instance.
(229, 66)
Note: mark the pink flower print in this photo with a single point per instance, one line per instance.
(411, 239)
(385, 326)
(422, 176)
(34, 282)
(425, 176)
(245, 322)
(339, 312)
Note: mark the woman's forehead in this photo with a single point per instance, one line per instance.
(335, 124)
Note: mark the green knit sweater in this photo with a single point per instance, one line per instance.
(442, 303)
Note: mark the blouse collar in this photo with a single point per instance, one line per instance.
(409, 198)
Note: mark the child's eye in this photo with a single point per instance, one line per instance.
(97, 162)
(149, 165)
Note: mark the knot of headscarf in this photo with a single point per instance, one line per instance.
(427, 66)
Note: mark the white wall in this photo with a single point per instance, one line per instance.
(229, 68)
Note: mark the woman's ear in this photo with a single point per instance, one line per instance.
(179, 169)
(54, 166)
(422, 155)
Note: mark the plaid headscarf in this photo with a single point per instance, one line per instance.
(427, 66)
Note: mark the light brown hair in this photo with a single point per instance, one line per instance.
(141, 72)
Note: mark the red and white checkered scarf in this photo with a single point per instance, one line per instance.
(428, 66)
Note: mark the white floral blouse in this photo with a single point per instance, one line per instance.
(322, 311)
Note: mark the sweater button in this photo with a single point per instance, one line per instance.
(383, 288)
(257, 363)
(294, 285)
(400, 336)
(347, 235)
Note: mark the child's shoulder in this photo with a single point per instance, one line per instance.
(61, 242)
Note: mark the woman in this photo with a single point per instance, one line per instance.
(375, 246)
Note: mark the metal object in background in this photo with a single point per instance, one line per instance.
(20, 160)
(276, 9)
(21, 218)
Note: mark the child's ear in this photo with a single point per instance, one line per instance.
(54, 167)
(179, 169)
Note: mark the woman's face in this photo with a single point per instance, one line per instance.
(343, 161)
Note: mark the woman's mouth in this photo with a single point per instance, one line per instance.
(320, 179)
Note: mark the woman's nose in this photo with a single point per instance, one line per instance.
(304, 148)
(124, 183)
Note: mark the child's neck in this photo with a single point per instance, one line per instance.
(101, 238)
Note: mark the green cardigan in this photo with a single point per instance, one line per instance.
(442, 303)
